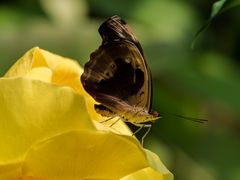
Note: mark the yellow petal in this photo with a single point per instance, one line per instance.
(144, 174)
(43, 65)
(26, 63)
(31, 110)
(157, 165)
(65, 71)
(114, 125)
(40, 73)
(84, 155)
(10, 171)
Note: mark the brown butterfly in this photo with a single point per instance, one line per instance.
(118, 77)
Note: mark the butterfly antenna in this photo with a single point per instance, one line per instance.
(198, 120)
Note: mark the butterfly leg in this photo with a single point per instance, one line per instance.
(141, 126)
(139, 129)
(108, 119)
(115, 122)
(149, 126)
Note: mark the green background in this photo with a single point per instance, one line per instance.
(202, 83)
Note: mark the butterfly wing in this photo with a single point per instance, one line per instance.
(116, 29)
(117, 73)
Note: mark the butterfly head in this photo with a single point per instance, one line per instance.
(155, 114)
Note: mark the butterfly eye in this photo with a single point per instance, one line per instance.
(154, 114)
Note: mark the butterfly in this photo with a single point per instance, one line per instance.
(118, 77)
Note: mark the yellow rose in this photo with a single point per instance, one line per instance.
(50, 131)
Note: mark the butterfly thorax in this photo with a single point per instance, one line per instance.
(138, 115)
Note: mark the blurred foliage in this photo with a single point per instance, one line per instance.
(202, 83)
(217, 8)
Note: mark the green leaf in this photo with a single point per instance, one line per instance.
(217, 8)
